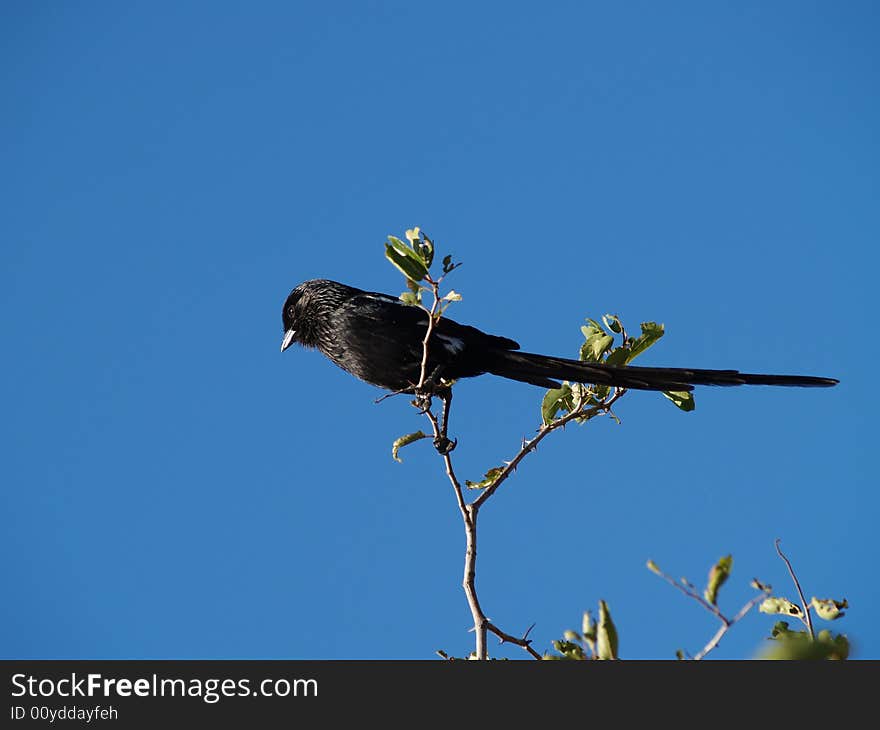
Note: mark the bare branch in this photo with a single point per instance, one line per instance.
(469, 582)
(524, 641)
(469, 511)
(726, 623)
(804, 605)
(543, 432)
(689, 591)
(447, 458)
(432, 313)
(469, 517)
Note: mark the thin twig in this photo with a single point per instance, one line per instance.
(450, 471)
(469, 517)
(469, 511)
(435, 285)
(727, 624)
(506, 638)
(806, 619)
(690, 593)
(531, 444)
(469, 581)
(750, 605)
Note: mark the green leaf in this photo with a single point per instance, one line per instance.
(592, 328)
(410, 298)
(595, 346)
(452, 296)
(788, 644)
(405, 252)
(487, 480)
(399, 245)
(424, 247)
(588, 626)
(838, 646)
(653, 567)
(405, 260)
(775, 604)
(555, 400)
(682, 399)
(651, 332)
(618, 356)
(405, 441)
(579, 394)
(828, 608)
(569, 650)
(612, 322)
(606, 635)
(719, 573)
(780, 630)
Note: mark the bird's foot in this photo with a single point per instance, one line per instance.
(423, 402)
(444, 445)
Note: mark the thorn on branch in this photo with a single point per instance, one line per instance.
(505, 638)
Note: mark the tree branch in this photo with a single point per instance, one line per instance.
(470, 511)
(524, 642)
(726, 623)
(543, 432)
(432, 313)
(469, 517)
(691, 594)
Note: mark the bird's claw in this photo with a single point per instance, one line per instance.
(444, 445)
(423, 402)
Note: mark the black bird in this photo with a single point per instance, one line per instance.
(378, 338)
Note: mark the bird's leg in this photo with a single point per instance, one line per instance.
(432, 382)
(429, 388)
(442, 442)
(432, 386)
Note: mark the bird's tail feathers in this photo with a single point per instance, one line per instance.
(546, 371)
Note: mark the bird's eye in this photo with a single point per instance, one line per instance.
(290, 312)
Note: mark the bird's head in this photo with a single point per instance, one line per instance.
(307, 311)
(294, 317)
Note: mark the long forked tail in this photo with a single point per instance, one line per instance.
(546, 371)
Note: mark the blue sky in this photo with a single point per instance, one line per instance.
(173, 487)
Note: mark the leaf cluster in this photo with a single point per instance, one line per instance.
(595, 640)
(413, 258)
(599, 346)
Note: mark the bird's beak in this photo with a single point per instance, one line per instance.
(288, 339)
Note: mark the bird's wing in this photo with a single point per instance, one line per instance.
(454, 336)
